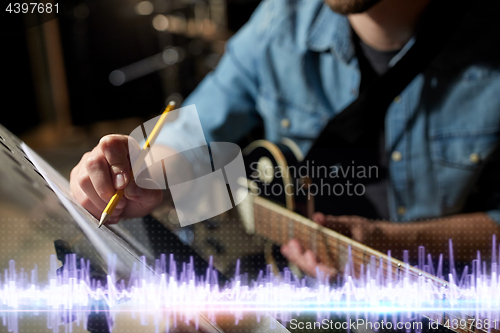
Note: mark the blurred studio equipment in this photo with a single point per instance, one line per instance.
(128, 58)
(101, 62)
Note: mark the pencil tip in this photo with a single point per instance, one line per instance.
(104, 217)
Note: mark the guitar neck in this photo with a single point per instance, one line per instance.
(280, 225)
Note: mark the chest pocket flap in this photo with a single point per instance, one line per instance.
(464, 149)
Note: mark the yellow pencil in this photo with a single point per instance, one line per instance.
(115, 199)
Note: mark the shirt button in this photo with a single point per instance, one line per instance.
(474, 158)
(285, 123)
(397, 99)
(401, 210)
(396, 156)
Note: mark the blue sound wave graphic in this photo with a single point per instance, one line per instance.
(72, 294)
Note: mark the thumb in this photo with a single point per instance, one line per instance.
(352, 226)
(339, 224)
(115, 149)
(319, 218)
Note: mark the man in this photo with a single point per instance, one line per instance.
(297, 64)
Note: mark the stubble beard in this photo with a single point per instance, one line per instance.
(346, 7)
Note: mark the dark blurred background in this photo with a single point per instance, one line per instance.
(105, 66)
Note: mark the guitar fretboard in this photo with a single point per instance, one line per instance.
(280, 225)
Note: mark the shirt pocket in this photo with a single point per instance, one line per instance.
(464, 149)
(457, 157)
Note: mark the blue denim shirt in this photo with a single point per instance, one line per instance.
(293, 65)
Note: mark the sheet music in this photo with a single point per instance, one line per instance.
(103, 239)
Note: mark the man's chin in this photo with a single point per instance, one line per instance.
(346, 7)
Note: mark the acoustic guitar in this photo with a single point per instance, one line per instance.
(273, 215)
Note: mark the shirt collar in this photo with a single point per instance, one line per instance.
(331, 31)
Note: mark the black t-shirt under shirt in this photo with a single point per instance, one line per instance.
(379, 60)
(372, 64)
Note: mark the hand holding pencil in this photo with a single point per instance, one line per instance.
(115, 199)
(105, 172)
